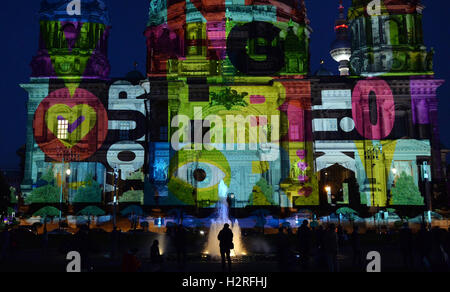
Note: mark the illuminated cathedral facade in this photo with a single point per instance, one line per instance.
(229, 97)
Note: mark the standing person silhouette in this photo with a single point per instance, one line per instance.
(331, 248)
(226, 245)
(180, 245)
(304, 243)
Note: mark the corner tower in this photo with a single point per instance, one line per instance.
(73, 40)
(73, 49)
(387, 38)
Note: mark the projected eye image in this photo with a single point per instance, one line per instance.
(294, 122)
(202, 170)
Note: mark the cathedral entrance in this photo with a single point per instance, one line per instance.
(338, 186)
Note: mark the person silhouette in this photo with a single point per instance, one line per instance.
(282, 249)
(155, 255)
(304, 243)
(226, 245)
(180, 244)
(355, 239)
(130, 262)
(406, 245)
(331, 248)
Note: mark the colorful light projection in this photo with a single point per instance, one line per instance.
(70, 128)
(387, 38)
(225, 111)
(195, 38)
(348, 123)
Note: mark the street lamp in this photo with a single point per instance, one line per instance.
(373, 153)
(116, 174)
(63, 178)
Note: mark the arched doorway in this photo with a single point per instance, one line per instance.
(338, 186)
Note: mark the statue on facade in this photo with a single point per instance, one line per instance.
(159, 172)
(429, 60)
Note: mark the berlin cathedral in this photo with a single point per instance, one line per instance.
(229, 99)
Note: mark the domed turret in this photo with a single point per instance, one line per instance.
(195, 38)
(73, 42)
(388, 38)
(323, 71)
(94, 11)
(341, 47)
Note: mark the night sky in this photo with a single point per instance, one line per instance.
(20, 31)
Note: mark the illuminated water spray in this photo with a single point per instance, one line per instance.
(222, 217)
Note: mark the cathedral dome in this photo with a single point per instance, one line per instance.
(213, 10)
(135, 75)
(214, 30)
(323, 71)
(94, 11)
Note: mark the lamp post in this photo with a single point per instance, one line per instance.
(394, 173)
(428, 202)
(373, 153)
(116, 173)
(232, 197)
(63, 178)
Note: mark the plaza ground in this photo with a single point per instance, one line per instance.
(30, 256)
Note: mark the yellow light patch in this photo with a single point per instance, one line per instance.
(260, 167)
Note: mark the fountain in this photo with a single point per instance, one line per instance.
(222, 217)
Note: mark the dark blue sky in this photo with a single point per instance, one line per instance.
(20, 31)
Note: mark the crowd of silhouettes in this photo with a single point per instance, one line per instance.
(427, 250)
(326, 247)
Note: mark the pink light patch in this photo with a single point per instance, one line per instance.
(258, 121)
(257, 99)
(301, 154)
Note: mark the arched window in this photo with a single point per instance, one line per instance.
(70, 34)
(392, 32)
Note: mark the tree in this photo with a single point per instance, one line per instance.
(132, 197)
(47, 193)
(47, 211)
(91, 192)
(92, 211)
(406, 192)
(13, 196)
(261, 221)
(262, 194)
(347, 212)
(182, 190)
(4, 195)
(133, 209)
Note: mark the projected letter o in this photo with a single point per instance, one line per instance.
(127, 156)
(385, 106)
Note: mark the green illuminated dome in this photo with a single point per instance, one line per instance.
(388, 40)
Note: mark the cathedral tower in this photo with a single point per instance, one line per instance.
(65, 122)
(73, 40)
(387, 38)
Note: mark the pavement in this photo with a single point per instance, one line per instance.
(52, 260)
